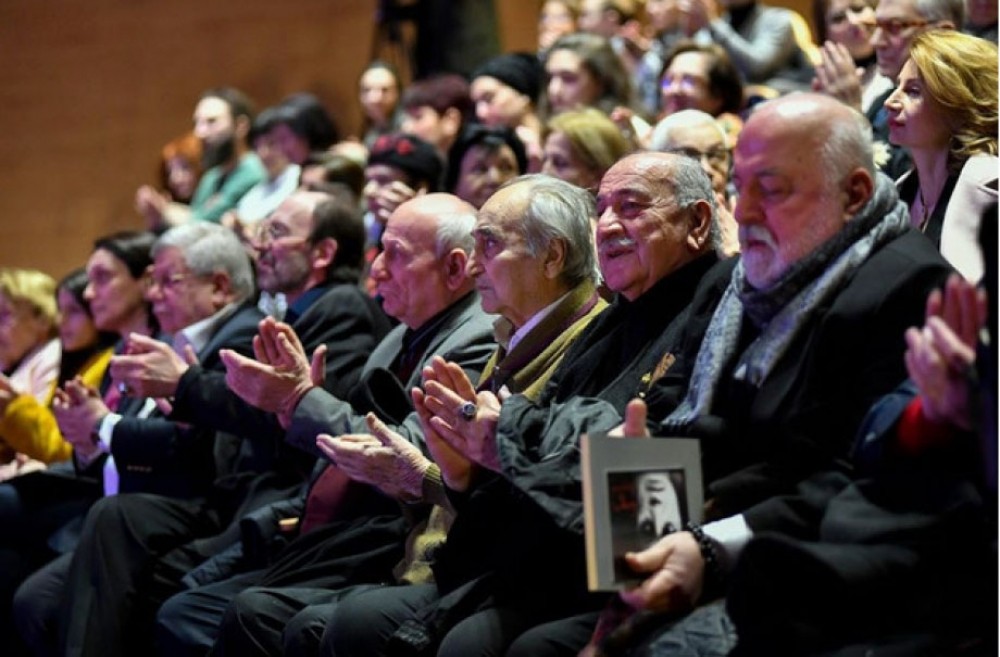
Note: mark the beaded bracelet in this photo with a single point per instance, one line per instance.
(713, 576)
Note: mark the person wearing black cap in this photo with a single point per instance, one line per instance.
(482, 160)
(505, 92)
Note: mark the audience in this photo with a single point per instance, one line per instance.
(339, 486)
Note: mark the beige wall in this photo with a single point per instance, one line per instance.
(91, 89)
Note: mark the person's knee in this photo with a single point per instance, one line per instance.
(304, 632)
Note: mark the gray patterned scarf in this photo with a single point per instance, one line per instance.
(782, 310)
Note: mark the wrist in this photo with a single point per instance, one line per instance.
(712, 577)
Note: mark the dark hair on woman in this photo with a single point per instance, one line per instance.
(74, 283)
(132, 247)
(440, 92)
(476, 134)
(724, 81)
(600, 60)
(305, 115)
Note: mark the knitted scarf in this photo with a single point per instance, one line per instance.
(784, 309)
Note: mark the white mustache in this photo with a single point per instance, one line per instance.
(616, 243)
(758, 234)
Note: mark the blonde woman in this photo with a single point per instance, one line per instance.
(581, 145)
(944, 112)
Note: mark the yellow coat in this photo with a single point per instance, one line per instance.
(29, 427)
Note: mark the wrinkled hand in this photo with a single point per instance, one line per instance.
(456, 469)
(838, 76)
(7, 393)
(282, 373)
(383, 459)
(940, 355)
(446, 389)
(150, 367)
(21, 465)
(77, 409)
(697, 14)
(676, 574)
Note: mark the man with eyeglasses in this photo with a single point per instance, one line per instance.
(201, 292)
(697, 135)
(311, 249)
(896, 23)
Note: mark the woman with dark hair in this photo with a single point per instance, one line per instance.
(944, 112)
(844, 28)
(584, 71)
(482, 160)
(300, 125)
(26, 423)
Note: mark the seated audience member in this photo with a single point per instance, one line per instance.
(323, 168)
(424, 283)
(766, 396)
(311, 249)
(867, 562)
(222, 120)
(29, 350)
(301, 126)
(379, 89)
(180, 168)
(581, 145)
(944, 112)
(201, 290)
(556, 18)
(39, 504)
(584, 71)
(653, 257)
(663, 18)
(981, 19)
(400, 166)
(698, 135)
(435, 109)
(848, 69)
(483, 159)
(27, 424)
(759, 38)
(282, 177)
(703, 77)
(505, 92)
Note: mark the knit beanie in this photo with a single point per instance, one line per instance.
(413, 155)
(519, 70)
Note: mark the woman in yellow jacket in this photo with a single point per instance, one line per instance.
(27, 425)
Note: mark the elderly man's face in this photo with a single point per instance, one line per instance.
(641, 233)
(785, 207)
(896, 23)
(707, 144)
(509, 279)
(409, 276)
(179, 297)
(284, 253)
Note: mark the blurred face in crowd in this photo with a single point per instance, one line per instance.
(181, 178)
(498, 104)
(21, 330)
(571, 85)
(848, 22)
(116, 299)
(663, 15)
(378, 94)
(378, 179)
(685, 85)
(554, 20)
(215, 126)
(425, 122)
(272, 156)
(483, 170)
(561, 161)
(76, 328)
(659, 510)
(916, 119)
(284, 252)
(178, 296)
(295, 147)
(707, 144)
(896, 23)
(641, 232)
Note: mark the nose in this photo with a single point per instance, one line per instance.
(608, 224)
(747, 210)
(878, 37)
(88, 292)
(892, 102)
(378, 270)
(472, 266)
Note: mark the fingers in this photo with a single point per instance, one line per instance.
(164, 405)
(635, 419)
(951, 348)
(143, 344)
(317, 370)
(190, 357)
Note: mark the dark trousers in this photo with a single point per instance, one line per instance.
(561, 638)
(362, 624)
(125, 564)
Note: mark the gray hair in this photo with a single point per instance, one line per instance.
(942, 10)
(848, 146)
(691, 184)
(454, 231)
(558, 210)
(209, 248)
(689, 118)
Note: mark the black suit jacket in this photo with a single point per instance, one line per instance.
(157, 455)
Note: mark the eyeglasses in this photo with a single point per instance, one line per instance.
(895, 26)
(272, 233)
(169, 281)
(685, 82)
(716, 157)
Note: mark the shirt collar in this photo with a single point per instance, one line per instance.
(198, 334)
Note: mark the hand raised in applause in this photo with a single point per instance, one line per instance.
(77, 409)
(446, 392)
(940, 355)
(383, 459)
(281, 374)
(838, 76)
(150, 367)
